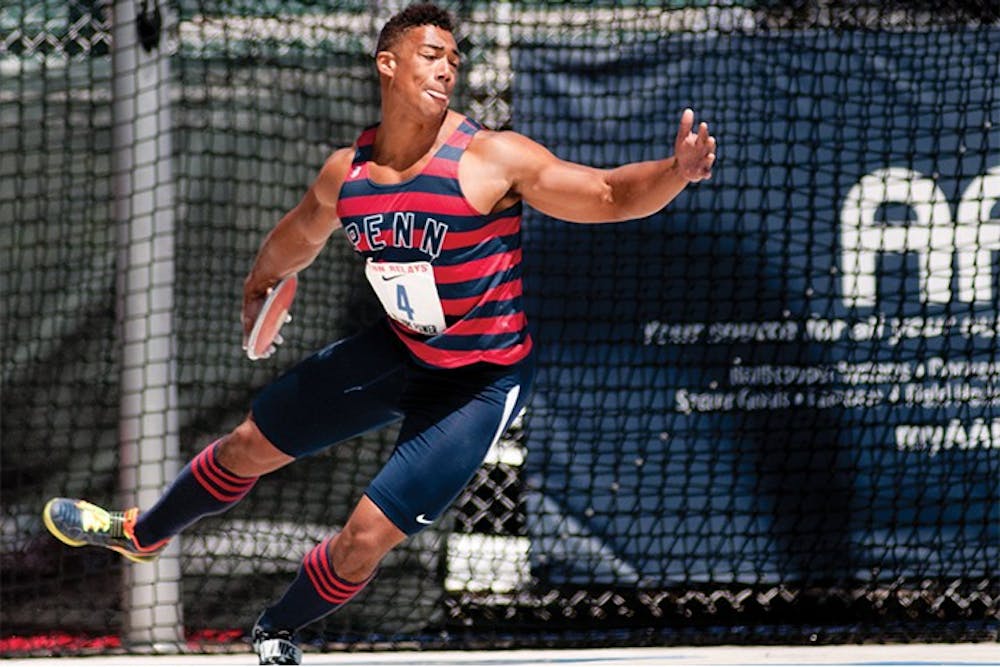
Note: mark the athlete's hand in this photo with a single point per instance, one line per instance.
(254, 297)
(694, 152)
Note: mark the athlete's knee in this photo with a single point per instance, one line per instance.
(357, 550)
(245, 451)
(358, 543)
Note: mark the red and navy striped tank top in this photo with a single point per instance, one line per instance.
(476, 258)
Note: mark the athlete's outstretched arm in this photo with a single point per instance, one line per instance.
(578, 193)
(299, 236)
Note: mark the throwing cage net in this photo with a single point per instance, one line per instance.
(768, 413)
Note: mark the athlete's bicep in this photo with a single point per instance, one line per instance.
(570, 192)
(317, 211)
(556, 187)
(313, 219)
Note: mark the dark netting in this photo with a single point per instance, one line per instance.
(767, 414)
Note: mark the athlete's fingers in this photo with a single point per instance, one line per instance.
(687, 122)
(707, 167)
(249, 313)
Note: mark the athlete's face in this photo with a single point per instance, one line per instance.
(424, 66)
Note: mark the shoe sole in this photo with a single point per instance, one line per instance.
(66, 539)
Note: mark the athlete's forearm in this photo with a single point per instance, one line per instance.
(640, 189)
(291, 246)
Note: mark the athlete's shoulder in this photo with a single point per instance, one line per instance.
(341, 158)
(490, 142)
(505, 147)
(333, 174)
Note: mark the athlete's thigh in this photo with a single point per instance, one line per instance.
(348, 388)
(450, 425)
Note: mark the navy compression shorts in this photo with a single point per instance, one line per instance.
(450, 417)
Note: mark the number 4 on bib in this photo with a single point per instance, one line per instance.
(408, 294)
(403, 302)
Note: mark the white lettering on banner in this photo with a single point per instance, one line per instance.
(953, 252)
(774, 375)
(874, 372)
(936, 367)
(892, 330)
(744, 399)
(752, 331)
(936, 438)
(935, 237)
(945, 394)
(865, 372)
(662, 333)
(977, 235)
(819, 329)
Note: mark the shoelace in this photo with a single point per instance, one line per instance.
(94, 519)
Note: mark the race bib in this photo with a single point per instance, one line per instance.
(408, 294)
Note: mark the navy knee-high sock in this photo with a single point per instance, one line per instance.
(316, 592)
(202, 488)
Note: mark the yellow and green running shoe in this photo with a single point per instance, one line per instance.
(78, 523)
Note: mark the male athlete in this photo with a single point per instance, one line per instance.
(432, 202)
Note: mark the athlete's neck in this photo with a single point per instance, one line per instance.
(402, 141)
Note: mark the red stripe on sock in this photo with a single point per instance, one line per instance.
(320, 579)
(231, 479)
(228, 475)
(221, 489)
(205, 484)
(330, 587)
(212, 477)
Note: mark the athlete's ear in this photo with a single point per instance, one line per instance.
(385, 62)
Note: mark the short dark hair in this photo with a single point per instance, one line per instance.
(424, 13)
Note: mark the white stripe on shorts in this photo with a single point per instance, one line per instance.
(508, 407)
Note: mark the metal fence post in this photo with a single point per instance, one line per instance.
(144, 199)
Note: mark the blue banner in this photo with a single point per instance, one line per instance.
(791, 373)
